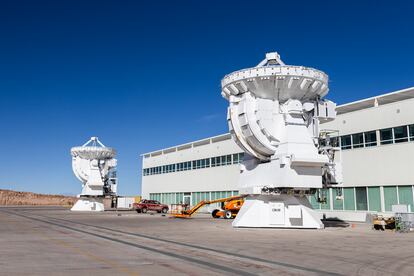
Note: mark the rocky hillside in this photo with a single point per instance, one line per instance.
(8, 197)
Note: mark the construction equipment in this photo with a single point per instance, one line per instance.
(229, 209)
(380, 222)
(185, 212)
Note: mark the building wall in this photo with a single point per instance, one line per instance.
(222, 178)
(383, 116)
(381, 164)
(377, 174)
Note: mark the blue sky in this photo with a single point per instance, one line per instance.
(146, 75)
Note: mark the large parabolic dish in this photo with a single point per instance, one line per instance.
(272, 79)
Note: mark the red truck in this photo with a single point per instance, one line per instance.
(150, 205)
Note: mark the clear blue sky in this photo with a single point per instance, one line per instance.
(146, 75)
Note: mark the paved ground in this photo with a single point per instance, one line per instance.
(55, 241)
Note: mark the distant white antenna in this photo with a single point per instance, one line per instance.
(93, 164)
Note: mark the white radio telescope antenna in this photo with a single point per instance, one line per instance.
(273, 115)
(94, 165)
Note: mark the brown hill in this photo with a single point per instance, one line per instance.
(8, 197)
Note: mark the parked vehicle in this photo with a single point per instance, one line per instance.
(150, 205)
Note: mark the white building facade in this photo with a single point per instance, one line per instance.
(377, 140)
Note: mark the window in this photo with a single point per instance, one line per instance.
(334, 141)
(235, 158)
(349, 199)
(337, 200)
(213, 162)
(313, 200)
(390, 197)
(370, 138)
(374, 198)
(386, 136)
(411, 130)
(400, 134)
(327, 195)
(228, 159)
(405, 196)
(241, 157)
(357, 140)
(223, 160)
(361, 198)
(218, 161)
(346, 142)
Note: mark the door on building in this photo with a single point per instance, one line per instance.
(187, 198)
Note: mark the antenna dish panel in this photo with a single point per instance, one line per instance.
(272, 79)
(93, 153)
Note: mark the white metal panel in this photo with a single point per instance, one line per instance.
(276, 213)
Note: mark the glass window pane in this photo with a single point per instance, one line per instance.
(218, 161)
(349, 199)
(357, 140)
(346, 142)
(334, 141)
(213, 162)
(228, 159)
(208, 162)
(374, 199)
(370, 138)
(241, 157)
(361, 198)
(390, 197)
(386, 136)
(411, 130)
(400, 134)
(337, 202)
(327, 204)
(313, 200)
(235, 158)
(405, 194)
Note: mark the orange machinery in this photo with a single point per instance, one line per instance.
(230, 205)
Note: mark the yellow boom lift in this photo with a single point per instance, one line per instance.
(231, 206)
